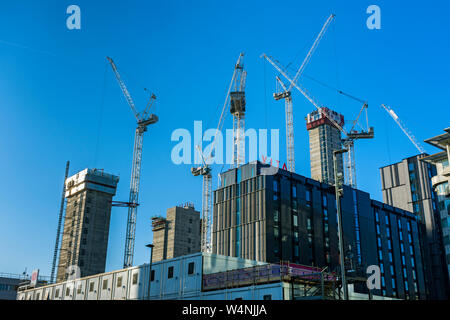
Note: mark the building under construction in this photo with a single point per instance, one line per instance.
(324, 138)
(86, 226)
(178, 234)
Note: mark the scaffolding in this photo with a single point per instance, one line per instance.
(305, 282)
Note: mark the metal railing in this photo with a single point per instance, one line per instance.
(269, 273)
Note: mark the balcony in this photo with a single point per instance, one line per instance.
(437, 180)
(446, 172)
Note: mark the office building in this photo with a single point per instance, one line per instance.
(177, 234)
(407, 185)
(441, 184)
(200, 276)
(9, 283)
(324, 138)
(89, 196)
(288, 217)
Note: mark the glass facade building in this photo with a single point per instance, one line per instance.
(288, 217)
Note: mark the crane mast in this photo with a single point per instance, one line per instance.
(236, 97)
(286, 95)
(143, 119)
(404, 128)
(237, 109)
(205, 171)
(290, 150)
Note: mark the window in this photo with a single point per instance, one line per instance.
(57, 293)
(105, 284)
(119, 282)
(308, 197)
(152, 276)
(295, 220)
(275, 186)
(170, 273)
(91, 286)
(67, 292)
(308, 223)
(276, 215)
(191, 266)
(79, 289)
(275, 231)
(135, 278)
(294, 191)
(267, 297)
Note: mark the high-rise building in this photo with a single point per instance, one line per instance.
(84, 244)
(324, 138)
(441, 183)
(288, 217)
(177, 234)
(407, 185)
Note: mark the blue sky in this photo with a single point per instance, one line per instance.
(60, 101)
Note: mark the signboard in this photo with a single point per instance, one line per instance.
(34, 277)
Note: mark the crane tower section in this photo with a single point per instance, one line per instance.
(237, 109)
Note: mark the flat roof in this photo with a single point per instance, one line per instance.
(437, 157)
(440, 141)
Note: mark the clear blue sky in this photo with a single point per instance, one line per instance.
(53, 81)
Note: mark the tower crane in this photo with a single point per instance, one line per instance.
(286, 95)
(236, 98)
(404, 128)
(144, 119)
(237, 109)
(205, 171)
(350, 136)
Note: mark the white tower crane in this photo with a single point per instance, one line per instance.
(350, 136)
(404, 128)
(237, 109)
(236, 98)
(286, 95)
(143, 119)
(205, 171)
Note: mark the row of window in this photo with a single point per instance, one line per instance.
(238, 189)
(7, 287)
(390, 254)
(119, 280)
